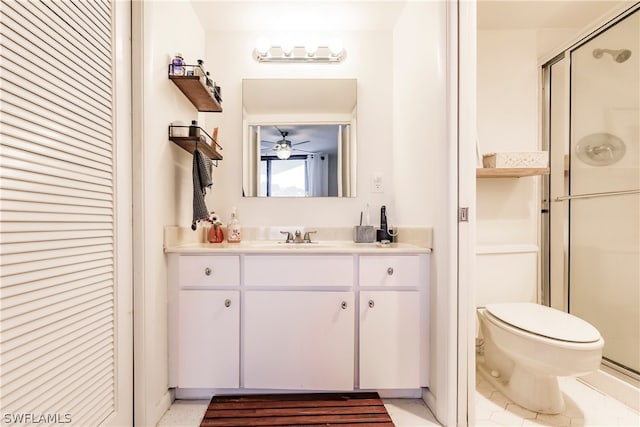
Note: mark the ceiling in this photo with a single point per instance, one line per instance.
(297, 15)
(360, 15)
(307, 138)
(527, 14)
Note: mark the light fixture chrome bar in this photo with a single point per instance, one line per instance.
(299, 54)
(591, 195)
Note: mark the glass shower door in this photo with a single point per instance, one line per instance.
(604, 180)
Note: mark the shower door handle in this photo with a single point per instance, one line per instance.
(592, 195)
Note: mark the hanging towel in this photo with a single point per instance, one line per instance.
(201, 181)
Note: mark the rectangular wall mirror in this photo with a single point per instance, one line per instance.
(299, 137)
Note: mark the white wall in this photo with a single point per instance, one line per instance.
(508, 120)
(163, 171)
(421, 171)
(419, 114)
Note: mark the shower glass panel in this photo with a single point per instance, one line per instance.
(604, 179)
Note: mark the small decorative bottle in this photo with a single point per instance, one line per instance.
(233, 229)
(177, 65)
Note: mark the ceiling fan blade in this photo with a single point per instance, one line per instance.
(301, 142)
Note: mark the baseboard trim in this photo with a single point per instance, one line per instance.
(607, 381)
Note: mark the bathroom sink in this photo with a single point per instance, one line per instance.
(313, 245)
(282, 245)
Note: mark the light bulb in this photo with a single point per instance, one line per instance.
(311, 47)
(283, 152)
(287, 47)
(262, 46)
(335, 46)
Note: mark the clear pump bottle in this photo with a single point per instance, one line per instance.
(233, 228)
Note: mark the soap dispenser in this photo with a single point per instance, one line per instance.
(233, 229)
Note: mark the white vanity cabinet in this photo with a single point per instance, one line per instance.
(298, 321)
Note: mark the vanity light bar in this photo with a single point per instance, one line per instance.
(299, 54)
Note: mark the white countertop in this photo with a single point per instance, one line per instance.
(267, 240)
(272, 247)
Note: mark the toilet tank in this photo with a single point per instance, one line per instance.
(506, 273)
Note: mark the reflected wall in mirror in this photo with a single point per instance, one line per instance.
(299, 137)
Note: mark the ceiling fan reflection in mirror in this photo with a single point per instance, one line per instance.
(284, 147)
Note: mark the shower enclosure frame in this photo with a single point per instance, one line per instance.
(559, 298)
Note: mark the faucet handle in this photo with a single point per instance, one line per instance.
(307, 238)
(289, 236)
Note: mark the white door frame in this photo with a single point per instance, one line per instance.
(467, 163)
(123, 411)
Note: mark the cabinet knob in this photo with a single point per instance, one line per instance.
(207, 271)
(390, 271)
(372, 303)
(344, 305)
(227, 302)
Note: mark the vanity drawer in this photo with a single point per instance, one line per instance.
(209, 270)
(298, 270)
(385, 270)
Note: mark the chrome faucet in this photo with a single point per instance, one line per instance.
(297, 236)
(289, 238)
(307, 238)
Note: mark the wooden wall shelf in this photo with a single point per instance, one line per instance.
(197, 92)
(205, 143)
(510, 172)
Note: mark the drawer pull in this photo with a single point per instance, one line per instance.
(207, 271)
(344, 305)
(372, 303)
(227, 302)
(390, 271)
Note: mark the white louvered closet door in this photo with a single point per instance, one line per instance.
(65, 292)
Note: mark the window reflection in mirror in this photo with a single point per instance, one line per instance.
(299, 137)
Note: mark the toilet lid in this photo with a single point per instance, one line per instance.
(545, 321)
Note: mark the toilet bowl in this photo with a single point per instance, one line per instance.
(527, 346)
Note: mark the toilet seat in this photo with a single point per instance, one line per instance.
(545, 322)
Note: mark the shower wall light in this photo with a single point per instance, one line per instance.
(309, 52)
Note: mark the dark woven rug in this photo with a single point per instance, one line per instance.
(341, 409)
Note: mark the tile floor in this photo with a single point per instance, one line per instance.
(585, 407)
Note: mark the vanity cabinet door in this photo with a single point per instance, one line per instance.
(390, 341)
(299, 340)
(209, 339)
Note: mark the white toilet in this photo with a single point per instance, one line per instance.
(527, 346)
